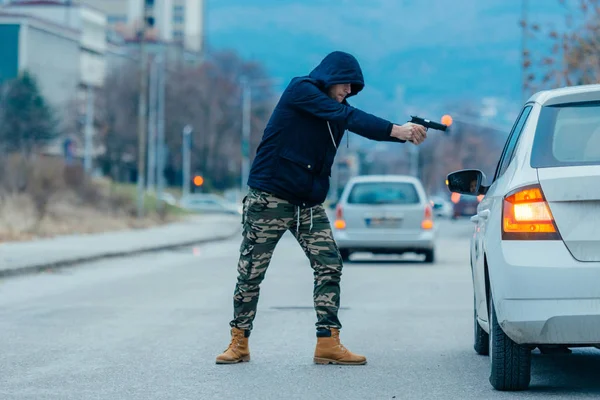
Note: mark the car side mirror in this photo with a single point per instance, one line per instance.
(467, 181)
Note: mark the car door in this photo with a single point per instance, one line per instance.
(484, 210)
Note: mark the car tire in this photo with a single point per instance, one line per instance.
(345, 253)
(510, 362)
(481, 337)
(429, 256)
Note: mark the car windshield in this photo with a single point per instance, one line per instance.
(383, 193)
(567, 135)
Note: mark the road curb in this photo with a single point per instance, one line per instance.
(32, 269)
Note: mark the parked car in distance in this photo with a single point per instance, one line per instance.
(168, 198)
(442, 207)
(209, 203)
(385, 214)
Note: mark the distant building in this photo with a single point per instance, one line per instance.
(178, 21)
(88, 24)
(188, 24)
(64, 45)
(49, 51)
(71, 46)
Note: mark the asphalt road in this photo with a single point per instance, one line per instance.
(150, 327)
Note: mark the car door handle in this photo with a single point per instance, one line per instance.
(484, 214)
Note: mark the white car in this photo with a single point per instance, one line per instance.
(384, 214)
(535, 252)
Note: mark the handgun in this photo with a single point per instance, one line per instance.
(428, 123)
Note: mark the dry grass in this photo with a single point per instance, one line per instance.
(18, 219)
(52, 199)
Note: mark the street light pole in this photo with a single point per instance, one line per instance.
(247, 85)
(185, 150)
(142, 109)
(152, 125)
(414, 161)
(162, 70)
(246, 107)
(89, 129)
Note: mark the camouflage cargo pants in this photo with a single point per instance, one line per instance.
(266, 218)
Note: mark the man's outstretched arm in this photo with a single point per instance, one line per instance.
(307, 97)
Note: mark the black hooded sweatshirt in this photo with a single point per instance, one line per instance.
(300, 141)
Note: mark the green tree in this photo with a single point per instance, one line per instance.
(27, 120)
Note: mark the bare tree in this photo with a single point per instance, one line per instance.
(116, 120)
(466, 145)
(567, 57)
(209, 98)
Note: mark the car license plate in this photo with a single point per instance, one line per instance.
(382, 222)
(469, 210)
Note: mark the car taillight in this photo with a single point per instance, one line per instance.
(526, 216)
(339, 219)
(455, 197)
(427, 222)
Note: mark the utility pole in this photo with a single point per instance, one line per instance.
(152, 126)
(414, 161)
(246, 93)
(147, 20)
(89, 130)
(335, 179)
(162, 70)
(185, 150)
(247, 85)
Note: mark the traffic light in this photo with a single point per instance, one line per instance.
(149, 13)
(198, 180)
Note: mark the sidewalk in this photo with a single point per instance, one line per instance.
(26, 257)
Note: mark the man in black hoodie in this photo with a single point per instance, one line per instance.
(289, 181)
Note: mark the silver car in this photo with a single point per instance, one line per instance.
(384, 214)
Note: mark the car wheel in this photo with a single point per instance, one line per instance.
(429, 256)
(345, 253)
(482, 339)
(510, 362)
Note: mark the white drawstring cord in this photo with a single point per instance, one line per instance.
(331, 134)
(298, 220)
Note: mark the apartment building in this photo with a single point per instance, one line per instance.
(180, 21)
(88, 23)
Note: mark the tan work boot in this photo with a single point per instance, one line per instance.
(238, 350)
(329, 350)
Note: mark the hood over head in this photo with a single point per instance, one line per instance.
(339, 67)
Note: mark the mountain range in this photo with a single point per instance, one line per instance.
(425, 57)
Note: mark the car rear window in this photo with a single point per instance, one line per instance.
(383, 193)
(567, 135)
